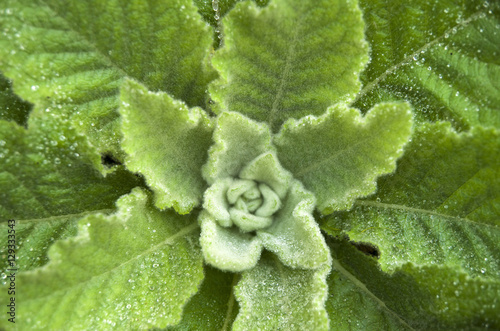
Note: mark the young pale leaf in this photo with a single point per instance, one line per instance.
(72, 58)
(441, 56)
(290, 59)
(339, 155)
(238, 140)
(214, 306)
(413, 298)
(440, 207)
(48, 181)
(12, 108)
(132, 270)
(275, 297)
(166, 142)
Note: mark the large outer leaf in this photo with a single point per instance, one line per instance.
(442, 56)
(339, 155)
(275, 297)
(440, 207)
(289, 59)
(413, 298)
(131, 270)
(48, 181)
(72, 58)
(166, 142)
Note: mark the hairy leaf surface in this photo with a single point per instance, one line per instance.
(166, 142)
(440, 207)
(339, 155)
(442, 56)
(113, 273)
(289, 59)
(72, 59)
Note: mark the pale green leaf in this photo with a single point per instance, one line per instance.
(275, 297)
(48, 181)
(113, 273)
(237, 141)
(214, 306)
(362, 297)
(440, 207)
(72, 59)
(339, 155)
(227, 248)
(12, 108)
(166, 142)
(442, 56)
(290, 59)
(294, 235)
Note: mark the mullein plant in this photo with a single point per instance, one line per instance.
(274, 165)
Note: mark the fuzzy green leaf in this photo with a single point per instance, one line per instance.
(290, 59)
(238, 140)
(113, 273)
(72, 59)
(48, 181)
(362, 297)
(275, 297)
(441, 56)
(167, 143)
(440, 207)
(339, 155)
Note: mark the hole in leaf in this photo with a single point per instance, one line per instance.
(109, 161)
(367, 249)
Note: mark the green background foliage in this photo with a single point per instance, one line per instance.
(107, 118)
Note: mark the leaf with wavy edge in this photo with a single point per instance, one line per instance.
(237, 141)
(363, 297)
(273, 296)
(440, 56)
(48, 181)
(113, 272)
(439, 207)
(167, 143)
(71, 59)
(290, 59)
(339, 155)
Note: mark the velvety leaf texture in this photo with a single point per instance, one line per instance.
(440, 207)
(289, 59)
(442, 56)
(273, 297)
(48, 182)
(112, 275)
(339, 155)
(413, 298)
(71, 60)
(167, 143)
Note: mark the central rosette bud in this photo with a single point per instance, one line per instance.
(252, 204)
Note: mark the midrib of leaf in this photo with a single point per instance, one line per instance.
(279, 266)
(230, 304)
(450, 32)
(167, 242)
(285, 73)
(418, 210)
(338, 267)
(327, 159)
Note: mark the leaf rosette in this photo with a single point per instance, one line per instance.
(255, 204)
